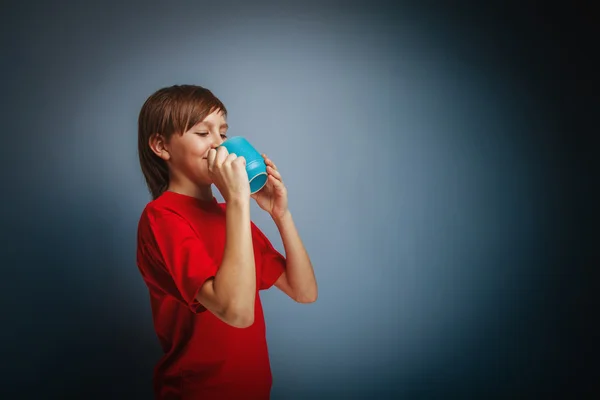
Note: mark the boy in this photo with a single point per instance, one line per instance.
(204, 262)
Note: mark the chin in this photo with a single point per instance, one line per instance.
(204, 181)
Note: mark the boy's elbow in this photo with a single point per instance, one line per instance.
(237, 312)
(239, 318)
(307, 298)
(243, 321)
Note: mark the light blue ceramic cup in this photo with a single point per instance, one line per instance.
(255, 163)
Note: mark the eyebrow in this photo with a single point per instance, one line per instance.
(223, 125)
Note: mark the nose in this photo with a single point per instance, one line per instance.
(217, 142)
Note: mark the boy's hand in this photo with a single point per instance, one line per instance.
(228, 172)
(273, 196)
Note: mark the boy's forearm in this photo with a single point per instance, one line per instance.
(235, 282)
(299, 269)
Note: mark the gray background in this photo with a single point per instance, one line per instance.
(434, 171)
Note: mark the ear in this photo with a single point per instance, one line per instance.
(158, 144)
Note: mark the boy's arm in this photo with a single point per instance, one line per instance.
(298, 280)
(230, 295)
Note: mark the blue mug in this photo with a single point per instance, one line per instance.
(255, 163)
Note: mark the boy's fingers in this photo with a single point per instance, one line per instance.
(277, 183)
(274, 172)
(212, 154)
(268, 161)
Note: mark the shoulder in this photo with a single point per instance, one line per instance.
(158, 213)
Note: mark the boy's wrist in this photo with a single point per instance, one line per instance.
(283, 218)
(238, 201)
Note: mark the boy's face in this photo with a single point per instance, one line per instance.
(187, 153)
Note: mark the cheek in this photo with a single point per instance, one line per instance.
(198, 147)
(194, 154)
(190, 149)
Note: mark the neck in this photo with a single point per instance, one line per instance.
(201, 192)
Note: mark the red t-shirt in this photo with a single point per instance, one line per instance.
(180, 245)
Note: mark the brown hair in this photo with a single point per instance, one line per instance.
(170, 110)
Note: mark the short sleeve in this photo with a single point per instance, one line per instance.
(273, 263)
(183, 255)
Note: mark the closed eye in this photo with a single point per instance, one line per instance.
(204, 134)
